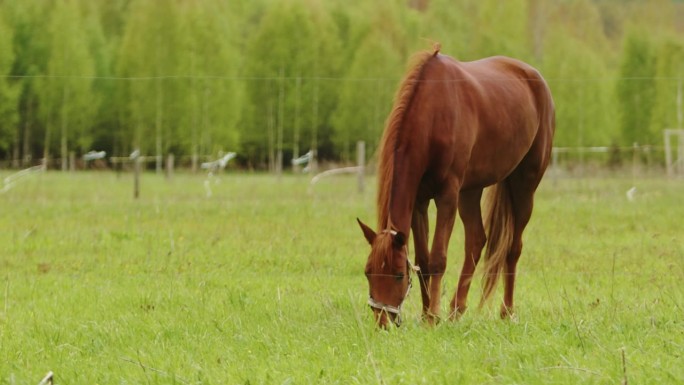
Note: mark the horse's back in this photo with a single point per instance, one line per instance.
(499, 105)
(542, 118)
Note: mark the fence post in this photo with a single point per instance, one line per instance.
(555, 170)
(136, 174)
(680, 152)
(169, 166)
(635, 159)
(313, 162)
(668, 155)
(361, 163)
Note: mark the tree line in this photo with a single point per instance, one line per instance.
(273, 79)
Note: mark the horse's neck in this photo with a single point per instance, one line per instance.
(403, 193)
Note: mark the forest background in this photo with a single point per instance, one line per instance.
(201, 78)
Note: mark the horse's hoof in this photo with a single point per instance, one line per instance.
(457, 313)
(507, 313)
(431, 319)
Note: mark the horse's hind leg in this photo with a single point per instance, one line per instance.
(523, 184)
(471, 216)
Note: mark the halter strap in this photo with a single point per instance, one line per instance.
(396, 310)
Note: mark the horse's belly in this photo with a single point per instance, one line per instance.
(481, 179)
(493, 160)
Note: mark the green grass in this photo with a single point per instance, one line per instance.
(263, 283)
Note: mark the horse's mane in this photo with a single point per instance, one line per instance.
(388, 144)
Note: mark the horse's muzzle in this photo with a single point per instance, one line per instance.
(383, 318)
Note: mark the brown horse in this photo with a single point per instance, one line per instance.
(456, 128)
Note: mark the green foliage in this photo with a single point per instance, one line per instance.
(9, 90)
(200, 78)
(455, 29)
(288, 66)
(71, 70)
(207, 107)
(147, 59)
(367, 89)
(366, 97)
(636, 89)
(502, 28)
(30, 45)
(669, 85)
(584, 106)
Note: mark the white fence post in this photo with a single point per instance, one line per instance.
(137, 160)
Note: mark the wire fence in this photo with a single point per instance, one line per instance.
(638, 160)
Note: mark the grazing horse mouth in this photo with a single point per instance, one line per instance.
(381, 309)
(383, 318)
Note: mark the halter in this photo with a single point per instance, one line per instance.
(396, 310)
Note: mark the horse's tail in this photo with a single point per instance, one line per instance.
(499, 229)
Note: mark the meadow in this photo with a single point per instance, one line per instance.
(262, 283)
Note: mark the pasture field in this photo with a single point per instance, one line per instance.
(262, 283)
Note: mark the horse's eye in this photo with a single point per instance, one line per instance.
(399, 276)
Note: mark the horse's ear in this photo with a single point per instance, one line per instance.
(399, 240)
(367, 232)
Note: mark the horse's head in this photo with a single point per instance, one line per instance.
(388, 272)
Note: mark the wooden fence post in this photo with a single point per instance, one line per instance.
(137, 160)
(361, 163)
(169, 166)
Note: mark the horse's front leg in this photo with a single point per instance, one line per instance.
(471, 215)
(420, 228)
(446, 214)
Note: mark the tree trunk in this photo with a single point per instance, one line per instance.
(281, 114)
(26, 153)
(158, 128)
(295, 144)
(64, 152)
